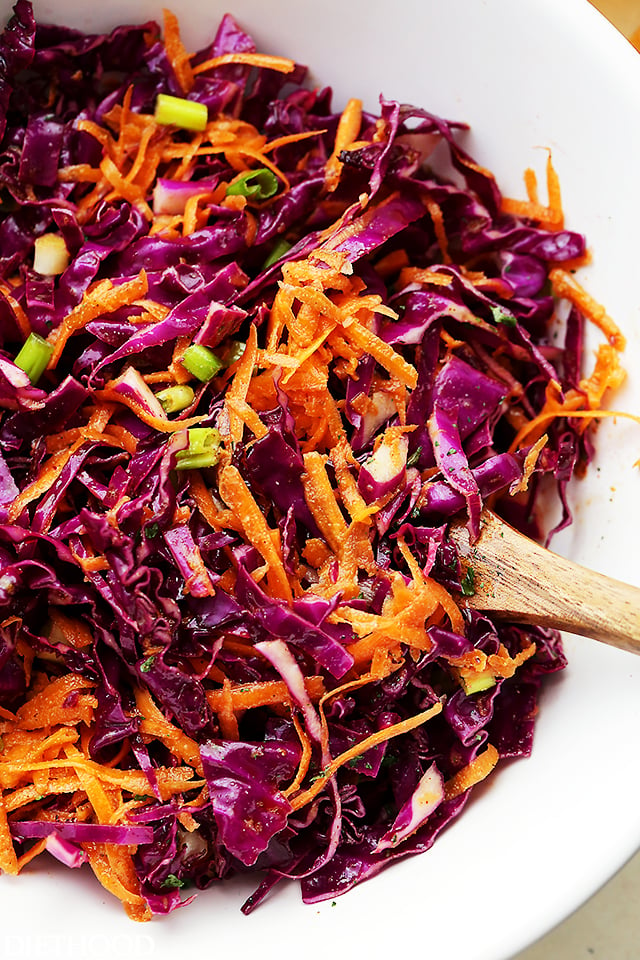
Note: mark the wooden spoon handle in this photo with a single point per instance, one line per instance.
(522, 581)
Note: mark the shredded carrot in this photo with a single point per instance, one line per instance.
(410, 275)
(392, 263)
(122, 883)
(322, 502)
(55, 785)
(226, 713)
(140, 164)
(170, 780)
(532, 211)
(204, 501)
(113, 435)
(191, 219)
(117, 435)
(290, 138)
(532, 430)
(260, 158)
(504, 665)
(261, 694)
(53, 705)
(608, 374)
(121, 186)
(551, 217)
(473, 773)
(199, 573)
(342, 459)
(34, 851)
(181, 515)
(529, 465)
(178, 56)
(92, 564)
(21, 318)
(280, 316)
(177, 371)
(348, 129)
(155, 724)
(306, 352)
(241, 409)
(439, 229)
(384, 354)
(565, 285)
(153, 310)
(554, 195)
(589, 415)
(79, 173)
(99, 133)
(237, 389)
(49, 473)
(104, 298)
(380, 736)
(531, 185)
(98, 797)
(570, 407)
(37, 744)
(238, 498)
(163, 425)
(305, 758)
(263, 60)
(316, 552)
(158, 376)
(405, 615)
(8, 858)
(188, 154)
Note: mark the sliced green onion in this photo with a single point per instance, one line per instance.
(178, 112)
(233, 352)
(254, 185)
(203, 450)
(174, 399)
(477, 682)
(34, 356)
(202, 440)
(50, 255)
(202, 362)
(281, 247)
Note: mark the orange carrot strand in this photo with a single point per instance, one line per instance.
(281, 64)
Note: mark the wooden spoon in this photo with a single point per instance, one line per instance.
(522, 581)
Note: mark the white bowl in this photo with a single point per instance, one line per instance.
(546, 832)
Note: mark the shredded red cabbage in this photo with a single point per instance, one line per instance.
(124, 564)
